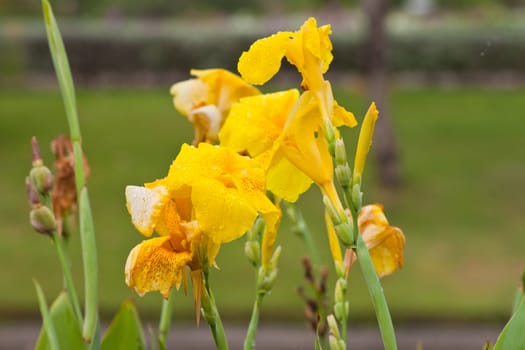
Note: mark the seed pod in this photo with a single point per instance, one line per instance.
(43, 220)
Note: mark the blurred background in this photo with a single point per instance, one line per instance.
(449, 161)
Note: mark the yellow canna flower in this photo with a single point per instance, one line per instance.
(206, 100)
(284, 131)
(211, 196)
(385, 243)
(310, 50)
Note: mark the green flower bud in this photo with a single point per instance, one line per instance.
(332, 211)
(329, 132)
(332, 325)
(340, 152)
(340, 290)
(339, 311)
(41, 179)
(43, 220)
(343, 174)
(252, 251)
(345, 233)
(334, 343)
(340, 269)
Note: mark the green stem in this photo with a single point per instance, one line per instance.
(302, 230)
(68, 278)
(165, 319)
(249, 341)
(376, 290)
(87, 232)
(211, 314)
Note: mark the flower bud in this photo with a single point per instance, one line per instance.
(329, 132)
(332, 211)
(43, 220)
(32, 195)
(340, 269)
(343, 174)
(345, 233)
(340, 152)
(339, 311)
(340, 290)
(332, 325)
(41, 179)
(252, 251)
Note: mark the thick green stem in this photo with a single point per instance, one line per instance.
(165, 319)
(376, 291)
(68, 278)
(211, 314)
(249, 341)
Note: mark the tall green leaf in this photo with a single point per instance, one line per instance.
(125, 331)
(513, 335)
(66, 327)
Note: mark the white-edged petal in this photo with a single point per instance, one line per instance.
(145, 205)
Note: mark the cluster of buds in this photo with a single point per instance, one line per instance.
(52, 198)
(315, 309)
(39, 184)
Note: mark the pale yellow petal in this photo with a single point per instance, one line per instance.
(188, 95)
(153, 265)
(263, 59)
(145, 206)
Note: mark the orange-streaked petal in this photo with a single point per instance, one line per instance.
(388, 256)
(154, 265)
(145, 206)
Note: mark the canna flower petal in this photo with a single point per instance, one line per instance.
(154, 265)
(263, 60)
(227, 189)
(145, 206)
(285, 180)
(206, 101)
(385, 243)
(222, 212)
(256, 122)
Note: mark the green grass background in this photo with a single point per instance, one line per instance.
(461, 205)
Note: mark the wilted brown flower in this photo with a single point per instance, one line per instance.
(64, 195)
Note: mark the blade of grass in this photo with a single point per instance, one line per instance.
(46, 318)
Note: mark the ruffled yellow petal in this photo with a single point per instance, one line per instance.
(154, 265)
(256, 122)
(285, 180)
(224, 87)
(303, 142)
(263, 59)
(388, 256)
(145, 206)
(365, 140)
(341, 116)
(223, 214)
(385, 243)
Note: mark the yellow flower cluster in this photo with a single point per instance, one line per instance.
(276, 142)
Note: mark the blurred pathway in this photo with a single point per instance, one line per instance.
(22, 336)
